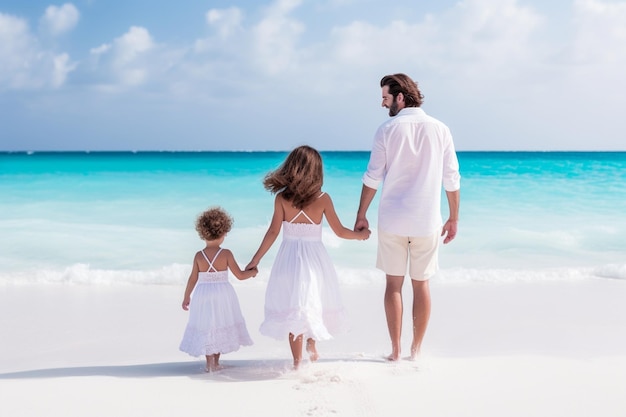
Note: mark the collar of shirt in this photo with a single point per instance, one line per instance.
(408, 111)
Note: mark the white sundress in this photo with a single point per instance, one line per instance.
(215, 324)
(302, 295)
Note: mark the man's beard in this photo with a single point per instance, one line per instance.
(393, 109)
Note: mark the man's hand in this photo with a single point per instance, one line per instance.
(361, 224)
(449, 230)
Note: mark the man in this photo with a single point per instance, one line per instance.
(413, 155)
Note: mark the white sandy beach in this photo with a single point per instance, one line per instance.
(516, 349)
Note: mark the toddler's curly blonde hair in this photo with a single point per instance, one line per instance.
(214, 223)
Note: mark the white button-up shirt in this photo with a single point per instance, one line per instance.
(413, 154)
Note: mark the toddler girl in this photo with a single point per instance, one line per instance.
(216, 324)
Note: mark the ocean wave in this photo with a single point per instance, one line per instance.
(177, 275)
(84, 274)
(614, 271)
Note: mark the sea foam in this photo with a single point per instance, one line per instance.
(177, 274)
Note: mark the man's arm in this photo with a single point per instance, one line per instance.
(450, 227)
(367, 195)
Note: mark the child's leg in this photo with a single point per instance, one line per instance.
(295, 343)
(312, 350)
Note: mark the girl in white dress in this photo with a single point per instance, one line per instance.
(302, 299)
(216, 324)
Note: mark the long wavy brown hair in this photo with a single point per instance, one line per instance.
(299, 178)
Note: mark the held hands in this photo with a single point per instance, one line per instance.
(251, 265)
(361, 226)
(252, 271)
(363, 234)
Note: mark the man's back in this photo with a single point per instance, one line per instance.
(414, 155)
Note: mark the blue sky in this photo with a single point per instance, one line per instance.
(270, 75)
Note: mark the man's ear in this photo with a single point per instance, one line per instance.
(400, 98)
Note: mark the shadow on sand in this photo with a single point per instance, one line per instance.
(233, 370)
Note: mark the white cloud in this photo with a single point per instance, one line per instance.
(482, 40)
(61, 67)
(242, 58)
(23, 64)
(276, 36)
(58, 20)
(127, 60)
(100, 49)
(131, 45)
(491, 36)
(15, 45)
(601, 32)
(226, 21)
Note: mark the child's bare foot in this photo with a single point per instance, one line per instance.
(212, 363)
(312, 350)
(296, 364)
(217, 368)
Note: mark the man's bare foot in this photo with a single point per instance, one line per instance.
(394, 356)
(312, 350)
(415, 352)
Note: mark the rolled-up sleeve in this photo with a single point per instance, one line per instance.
(370, 182)
(375, 172)
(451, 176)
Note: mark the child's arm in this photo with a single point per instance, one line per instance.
(191, 283)
(234, 267)
(335, 223)
(271, 234)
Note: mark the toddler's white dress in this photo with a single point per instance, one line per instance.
(302, 295)
(215, 324)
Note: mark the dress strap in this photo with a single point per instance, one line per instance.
(211, 262)
(304, 214)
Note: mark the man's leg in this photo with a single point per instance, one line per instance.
(393, 311)
(421, 314)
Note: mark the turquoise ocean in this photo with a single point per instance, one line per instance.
(127, 218)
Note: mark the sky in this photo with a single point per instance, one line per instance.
(271, 75)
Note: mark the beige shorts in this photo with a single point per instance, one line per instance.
(421, 254)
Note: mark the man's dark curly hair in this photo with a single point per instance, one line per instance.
(213, 223)
(402, 83)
